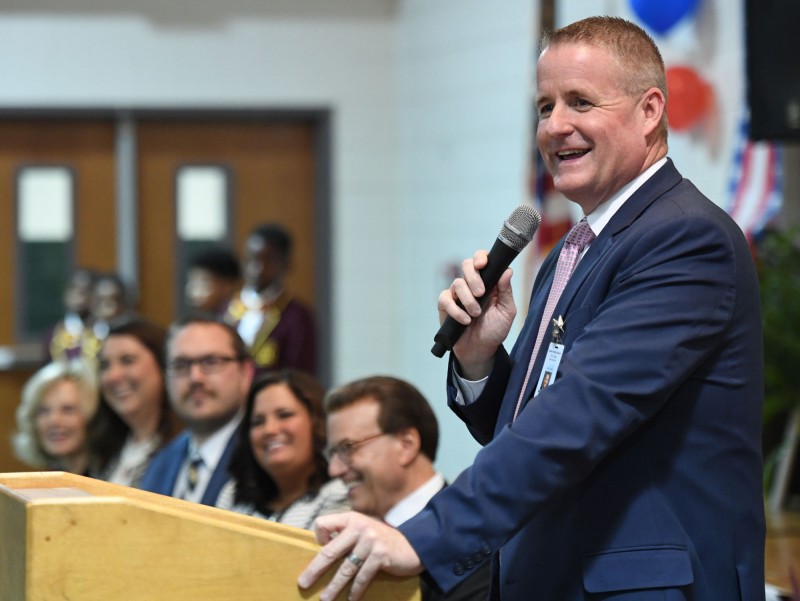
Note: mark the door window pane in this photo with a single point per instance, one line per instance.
(202, 203)
(45, 235)
(203, 209)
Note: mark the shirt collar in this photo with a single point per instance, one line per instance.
(411, 505)
(212, 448)
(600, 217)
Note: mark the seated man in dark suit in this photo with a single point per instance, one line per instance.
(382, 437)
(209, 372)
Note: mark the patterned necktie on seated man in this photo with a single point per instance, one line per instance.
(193, 471)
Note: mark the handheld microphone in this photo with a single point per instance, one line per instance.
(517, 231)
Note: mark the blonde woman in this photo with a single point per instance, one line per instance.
(57, 403)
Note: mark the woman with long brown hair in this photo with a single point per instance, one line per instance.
(278, 469)
(134, 419)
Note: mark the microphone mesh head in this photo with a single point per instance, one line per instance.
(520, 227)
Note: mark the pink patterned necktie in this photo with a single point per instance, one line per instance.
(578, 238)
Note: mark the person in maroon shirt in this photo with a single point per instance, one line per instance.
(278, 328)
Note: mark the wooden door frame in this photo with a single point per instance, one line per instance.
(125, 120)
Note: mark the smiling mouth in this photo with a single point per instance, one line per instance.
(568, 155)
(121, 394)
(352, 485)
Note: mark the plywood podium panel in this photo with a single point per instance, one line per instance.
(64, 536)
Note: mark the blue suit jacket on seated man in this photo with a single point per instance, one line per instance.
(636, 474)
(162, 473)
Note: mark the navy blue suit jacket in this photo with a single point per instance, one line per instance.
(162, 474)
(636, 475)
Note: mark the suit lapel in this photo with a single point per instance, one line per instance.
(175, 463)
(220, 474)
(662, 180)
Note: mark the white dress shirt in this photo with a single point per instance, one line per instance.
(411, 505)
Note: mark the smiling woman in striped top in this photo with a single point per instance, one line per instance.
(278, 469)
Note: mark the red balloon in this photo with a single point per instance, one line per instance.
(690, 97)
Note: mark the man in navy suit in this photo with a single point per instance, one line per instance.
(209, 372)
(635, 475)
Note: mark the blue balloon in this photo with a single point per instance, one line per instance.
(661, 15)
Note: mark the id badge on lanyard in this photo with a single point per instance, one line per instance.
(553, 358)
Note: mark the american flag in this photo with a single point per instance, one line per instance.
(755, 191)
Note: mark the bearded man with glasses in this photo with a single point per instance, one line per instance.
(209, 372)
(382, 440)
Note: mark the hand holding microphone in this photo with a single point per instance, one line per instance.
(515, 234)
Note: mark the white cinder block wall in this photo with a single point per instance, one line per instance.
(463, 118)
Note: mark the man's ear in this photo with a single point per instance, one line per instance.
(653, 105)
(409, 443)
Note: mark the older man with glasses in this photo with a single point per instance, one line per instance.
(382, 440)
(209, 372)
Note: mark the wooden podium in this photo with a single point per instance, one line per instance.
(64, 536)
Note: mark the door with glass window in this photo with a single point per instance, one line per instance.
(211, 182)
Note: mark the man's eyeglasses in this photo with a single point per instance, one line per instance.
(208, 364)
(345, 449)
